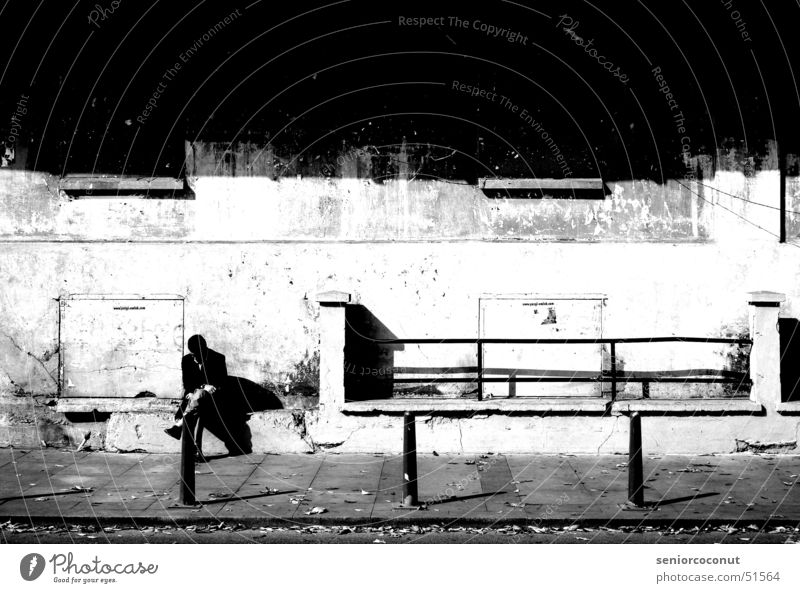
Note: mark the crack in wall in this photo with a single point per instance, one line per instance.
(610, 434)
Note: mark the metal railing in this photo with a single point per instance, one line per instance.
(612, 375)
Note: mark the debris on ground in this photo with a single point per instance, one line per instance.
(390, 531)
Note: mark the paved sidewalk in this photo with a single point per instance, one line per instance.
(58, 487)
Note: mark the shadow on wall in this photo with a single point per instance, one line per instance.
(790, 359)
(228, 419)
(368, 362)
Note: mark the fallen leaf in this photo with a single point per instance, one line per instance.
(779, 530)
(317, 511)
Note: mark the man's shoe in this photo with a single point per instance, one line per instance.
(174, 432)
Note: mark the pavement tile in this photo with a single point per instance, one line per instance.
(505, 494)
(487, 488)
(10, 455)
(42, 505)
(289, 475)
(343, 483)
(543, 480)
(440, 478)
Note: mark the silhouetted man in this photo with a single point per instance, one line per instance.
(204, 374)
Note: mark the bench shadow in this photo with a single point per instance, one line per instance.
(45, 495)
(435, 502)
(227, 415)
(662, 503)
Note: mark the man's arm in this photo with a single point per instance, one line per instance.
(217, 373)
(220, 374)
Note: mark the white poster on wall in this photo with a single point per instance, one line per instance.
(541, 317)
(121, 347)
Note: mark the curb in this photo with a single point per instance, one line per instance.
(248, 522)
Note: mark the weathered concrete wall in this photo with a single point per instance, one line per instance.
(793, 199)
(249, 254)
(346, 209)
(480, 433)
(255, 302)
(264, 318)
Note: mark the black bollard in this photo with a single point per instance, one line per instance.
(188, 450)
(635, 469)
(410, 485)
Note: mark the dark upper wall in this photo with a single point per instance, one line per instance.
(317, 83)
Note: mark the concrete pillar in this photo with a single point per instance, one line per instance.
(331, 349)
(765, 356)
